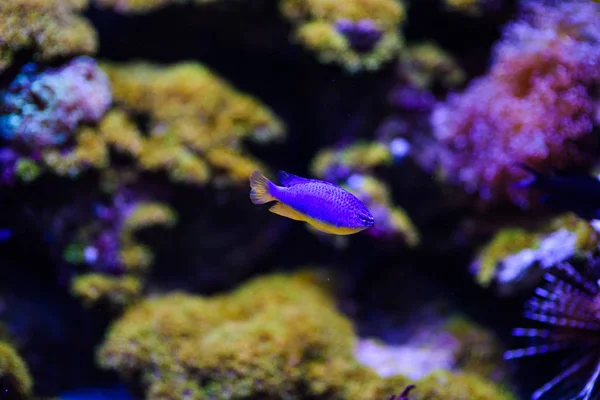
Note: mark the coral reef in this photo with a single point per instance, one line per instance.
(15, 381)
(108, 247)
(516, 257)
(44, 109)
(534, 106)
(462, 386)
(358, 34)
(41, 110)
(196, 121)
(48, 28)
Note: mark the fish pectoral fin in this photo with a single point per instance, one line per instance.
(286, 211)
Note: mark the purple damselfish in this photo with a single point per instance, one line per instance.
(323, 205)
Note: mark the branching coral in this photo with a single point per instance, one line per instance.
(51, 28)
(351, 167)
(15, 381)
(535, 106)
(515, 257)
(196, 120)
(358, 34)
(108, 247)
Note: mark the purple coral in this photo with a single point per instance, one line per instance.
(535, 106)
(362, 35)
(45, 108)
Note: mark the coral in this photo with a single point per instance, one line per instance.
(94, 288)
(15, 381)
(358, 34)
(50, 28)
(535, 105)
(107, 246)
(265, 338)
(462, 386)
(44, 109)
(563, 316)
(515, 256)
(425, 64)
(196, 120)
(452, 343)
(479, 351)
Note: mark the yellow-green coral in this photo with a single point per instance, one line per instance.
(360, 156)
(480, 351)
(133, 256)
(444, 385)
(143, 6)
(512, 240)
(278, 336)
(94, 288)
(260, 339)
(14, 374)
(315, 27)
(50, 28)
(469, 7)
(196, 121)
(425, 63)
(506, 242)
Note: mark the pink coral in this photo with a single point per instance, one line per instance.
(45, 108)
(535, 105)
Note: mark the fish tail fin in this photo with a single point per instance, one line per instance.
(260, 193)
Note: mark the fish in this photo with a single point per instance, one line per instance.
(574, 192)
(323, 205)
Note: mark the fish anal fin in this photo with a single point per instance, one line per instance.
(286, 211)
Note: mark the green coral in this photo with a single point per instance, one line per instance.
(197, 122)
(50, 28)
(480, 351)
(14, 375)
(94, 288)
(314, 27)
(512, 240)
(443, 385)
(276, 337)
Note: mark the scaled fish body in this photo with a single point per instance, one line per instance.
(323, 205)
(579, 194)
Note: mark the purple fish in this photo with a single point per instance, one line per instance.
(323, 205)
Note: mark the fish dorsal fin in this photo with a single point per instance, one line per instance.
(288, 180)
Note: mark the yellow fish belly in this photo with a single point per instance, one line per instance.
(286, 211)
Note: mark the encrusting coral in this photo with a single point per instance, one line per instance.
(515, 257)
(196, 121)
(278, 336)
(357, 34)
(535, 106)
(49, 28)
(15, 381)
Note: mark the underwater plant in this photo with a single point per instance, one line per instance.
(564, 311)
